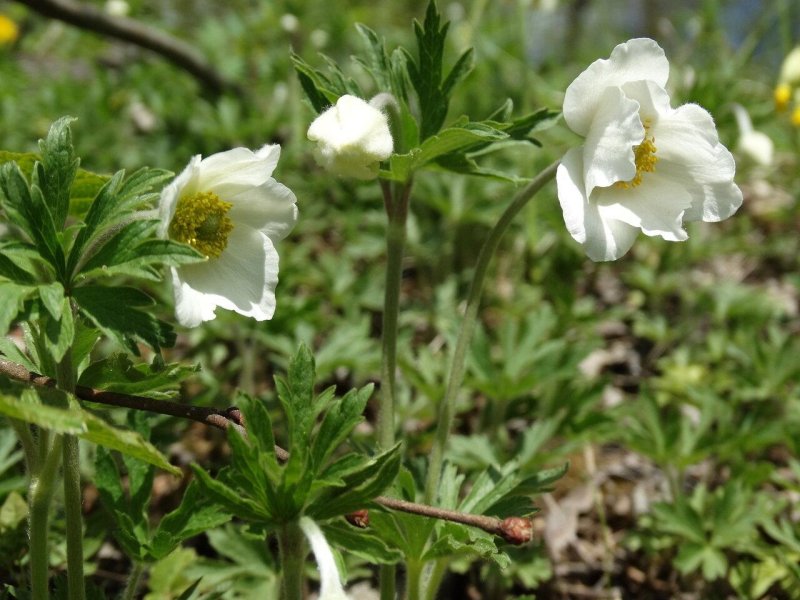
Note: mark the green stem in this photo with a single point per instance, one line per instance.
(291, 544)
(29, 448)
(397, 210)
(435, 578)
(73, 513)
(396, 203)
(41, 496)
(388, 575)
(414, 571)
(133, 581)
(447, 406)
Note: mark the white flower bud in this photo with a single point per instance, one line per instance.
(352, 138)
(755, 145)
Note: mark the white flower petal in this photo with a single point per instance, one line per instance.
(689, 152)
(243, 278)
(637, 59)
(656, 206)
(271, 207)
(352, 138)
(602, 238)
(330, 587)
(239, 165)
(191, 306)
(183, 184)
(608, 153)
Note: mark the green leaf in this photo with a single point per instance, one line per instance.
(123, 440)
(297, 397)
(26, 207)
(13, 296)
(60, 334)
(459, 540)
(59, 168)
(55, 419)
(337, 424)
(361, 543)
(425, 73)
(100, 212)
(84, 187)
(11, 271)
(118, 373)
(259, 430)
(52, 295)
(230, 499)
(361, 486)
(194, 516)
(133, 252)
(113, 311)
(323, 90)
(449, 141)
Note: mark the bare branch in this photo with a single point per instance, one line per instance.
(515, 530)
(174, 50)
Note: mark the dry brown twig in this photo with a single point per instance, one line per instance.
(515, 530)
(174, 50)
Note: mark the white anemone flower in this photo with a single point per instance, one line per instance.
(352, 138)
(644, 165)
(229, 208)
(330, 586)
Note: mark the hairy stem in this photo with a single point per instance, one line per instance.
(291, 544)
(396, 202)
(447, 406)
(41, 496)
(132, 586)
(66, 376)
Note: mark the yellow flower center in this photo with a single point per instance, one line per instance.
(644, 156)
(202, 221)
(783, 93)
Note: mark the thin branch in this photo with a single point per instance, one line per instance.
(515, 530)
(174, 50)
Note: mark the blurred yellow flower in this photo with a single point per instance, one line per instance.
(795, 118)
(9, 31)
(783, 93)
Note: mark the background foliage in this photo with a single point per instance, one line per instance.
(668, 380)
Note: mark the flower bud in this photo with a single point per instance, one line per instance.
(352, 138)
(790, 69)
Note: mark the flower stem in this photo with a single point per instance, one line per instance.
(41, 496)
(396, 201)
(447, 406)
(133, 581)
(291, 544)
(66, 376)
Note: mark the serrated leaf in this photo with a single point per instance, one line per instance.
(230, 499)
(113, 311)
(26, 207)
(194, 516)
(59, 168)
(118, 373)
(339, 421)
(459, 540)
(361, 486)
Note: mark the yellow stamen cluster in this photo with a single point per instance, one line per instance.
(202, 221)
(645, 158)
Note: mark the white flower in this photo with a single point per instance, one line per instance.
(229, 208)
(330, 587)
(352, 138)
(644, 165)
(755, 145)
